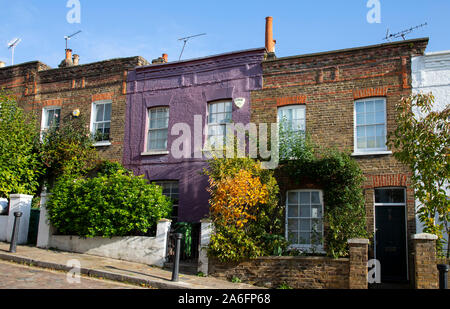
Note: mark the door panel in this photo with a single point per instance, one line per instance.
(391, 243)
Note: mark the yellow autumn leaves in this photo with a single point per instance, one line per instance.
(235, 199)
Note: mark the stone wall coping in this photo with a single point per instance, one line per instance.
(359, 241)
(424, 236)
(291, 258)
(20, 196)
(165, 220)
(205, 221)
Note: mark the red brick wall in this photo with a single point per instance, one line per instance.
(37, 86)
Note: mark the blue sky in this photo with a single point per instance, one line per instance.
(148, 28)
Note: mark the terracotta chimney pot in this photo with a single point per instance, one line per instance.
(68, 54)
(270, 42)
(76, 59)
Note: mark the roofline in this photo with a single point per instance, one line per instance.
(25, 64)
(443, 52)
(158, 65)
(94, 63)
(351, 49)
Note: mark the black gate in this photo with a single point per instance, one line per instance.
(189, 243)
(34, 226)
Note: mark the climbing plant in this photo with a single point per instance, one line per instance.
(341, 180)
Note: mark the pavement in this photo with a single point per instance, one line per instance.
(112, 269)
(15, 276)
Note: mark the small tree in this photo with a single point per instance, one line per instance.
(20, 164)
(422, 141)
(245, 211)
(68, 149)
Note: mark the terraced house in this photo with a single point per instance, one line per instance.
(96, 91)
(346, 99)
(202, 96)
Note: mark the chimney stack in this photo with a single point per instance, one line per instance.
(76, 59)
(160, 60)
(270, 42)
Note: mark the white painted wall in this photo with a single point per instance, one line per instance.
(431, 73)
(146, 250)
(18, 202)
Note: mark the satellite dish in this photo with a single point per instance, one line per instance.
(12, 46)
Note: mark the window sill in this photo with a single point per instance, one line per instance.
(371, 153)
(308, 248)
(155, 153)
(102, 144)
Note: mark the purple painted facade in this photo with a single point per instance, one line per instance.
(186, 87)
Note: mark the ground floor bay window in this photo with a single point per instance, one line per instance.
(304, 219)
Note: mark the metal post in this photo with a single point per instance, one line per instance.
(15, 233)
(176, 262)
(443, 276)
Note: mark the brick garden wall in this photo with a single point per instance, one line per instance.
(301, 272)
(296, 272)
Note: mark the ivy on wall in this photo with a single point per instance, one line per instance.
(340, 178)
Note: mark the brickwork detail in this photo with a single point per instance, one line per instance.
(370, 92)
(291, 100)
(426, 273)
(358, 264)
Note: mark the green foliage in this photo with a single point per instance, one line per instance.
(422, 142)
(236, 280)
(113, 203)
(341, 180)
(259, 237)
(284, 286)
(68, 149)
(185, 228)
(20, 163)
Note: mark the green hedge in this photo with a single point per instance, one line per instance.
(112, 202)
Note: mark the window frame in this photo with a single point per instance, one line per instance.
(310, 246)
(293, 106)
(171, 182)
(44, 117)
(93, 122)
(369, 151)
(148, 151)
(208, 146)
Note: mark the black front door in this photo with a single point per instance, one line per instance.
(391, 243)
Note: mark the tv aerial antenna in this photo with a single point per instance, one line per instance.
(68, 37)
(402, 34)
(186, 39)
(12, 46)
